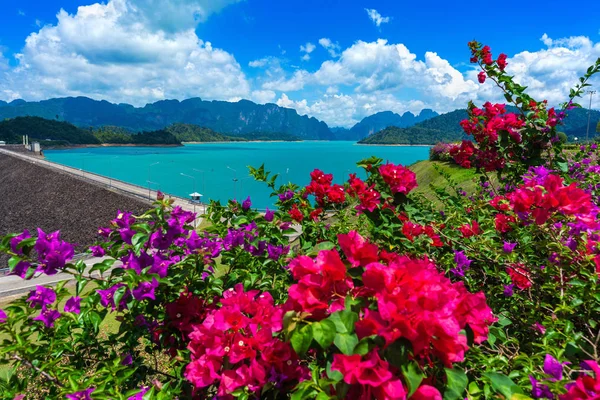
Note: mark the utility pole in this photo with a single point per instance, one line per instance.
(587, 133)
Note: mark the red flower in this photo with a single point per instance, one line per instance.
(399, 178)
(469, 230)
(481, 77)
(501, 61)
(296, 214)
(314, 215)
(503, 221)
(520, 276)
(587, 386)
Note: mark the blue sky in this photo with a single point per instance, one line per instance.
(336, 60)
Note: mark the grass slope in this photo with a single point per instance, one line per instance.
(427, 175)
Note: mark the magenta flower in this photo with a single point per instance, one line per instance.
(145, 290)
(553, 367)
(97, 251)
(508, 290)
(42, 296)
(508, 247)
(462, 263)
(73, 305)
(14, 242)
(269, 215)
(48, 316)
(107, 296)
(140, 394)
(539, 327)
(21, 269)
(246, 204)
(539, 391)
(3, 316)
(126, 359)
(82, 395)
(160, 266)
(53, 253)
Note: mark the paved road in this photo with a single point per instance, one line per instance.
(107, 182)
(11, 286)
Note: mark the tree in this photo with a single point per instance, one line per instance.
(598, 127)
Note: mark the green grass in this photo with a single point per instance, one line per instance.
(427, 175)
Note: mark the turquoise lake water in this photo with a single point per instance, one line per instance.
(207, 165)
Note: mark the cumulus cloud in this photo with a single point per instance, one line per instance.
(332, 48)
(377, 18)
(263, 96)
(124, 51)
(307, 49)
(296, 82)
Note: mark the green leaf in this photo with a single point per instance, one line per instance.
(413, 376)
(344, 321)
(503, 384)
(346, 342)
(457, 383)
(301, 339)
(138, 240)
(95, 319)
(324, 332)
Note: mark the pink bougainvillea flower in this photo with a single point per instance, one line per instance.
(357, 249)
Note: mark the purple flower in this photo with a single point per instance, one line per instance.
(571, 243)
(284, 226)
(83, 395)
(539, 391)
(246, 204)
(508, 290)
(269, 215)
(160, 266)
(126, 359)
(97, 251)
(53, 253)
(137, 263)
(140, 394)
(553, 368)
(73, 305)
(107, 296)
(286, 196)
(257, 250)
(594, 146)
(3, 316)
(42, 296)
(462, 263)
(48, 316)
(275, 252)
(14, 242)
(145, 290)
(21, 269)
(508, 247)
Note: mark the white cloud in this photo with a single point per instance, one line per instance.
(377, 18)
(21, 13)
(296, 82)
(259, 63)
(550, 73)
(332, 48)
(263, 96)
(123, 51)
(307, 49)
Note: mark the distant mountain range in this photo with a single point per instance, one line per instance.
(446, 128)
(243, 118)
(382, 120)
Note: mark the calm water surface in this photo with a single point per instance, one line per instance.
(206, 165)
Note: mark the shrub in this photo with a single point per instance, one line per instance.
(380, 295)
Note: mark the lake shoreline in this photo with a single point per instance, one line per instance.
(394, 145)
(86, 146)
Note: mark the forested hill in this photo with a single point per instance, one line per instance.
(446, 128)
(221, 116)
(382, 120)
(57, 133)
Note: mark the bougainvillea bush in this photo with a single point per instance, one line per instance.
(358, 290)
